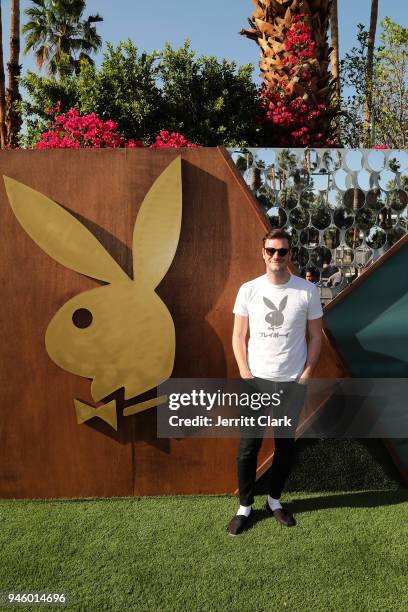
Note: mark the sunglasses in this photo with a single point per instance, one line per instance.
(281, 252)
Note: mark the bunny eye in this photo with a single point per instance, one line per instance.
(82, 318)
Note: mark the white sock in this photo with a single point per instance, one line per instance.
(244, 510)
(274, 504)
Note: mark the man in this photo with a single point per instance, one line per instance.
(335, 279)
(279, 309)
(312, 275)
(328, 271)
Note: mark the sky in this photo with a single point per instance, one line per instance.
(212, 25)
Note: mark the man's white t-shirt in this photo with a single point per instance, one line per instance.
(278, 315)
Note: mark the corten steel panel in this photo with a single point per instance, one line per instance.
(43, 451)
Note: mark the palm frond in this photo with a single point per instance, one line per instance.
(41, 55)
(94, 18)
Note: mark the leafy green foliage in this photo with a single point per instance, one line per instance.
(125, 90)
(353, 69)
(44, 92)
(208, 100)
(390, 90)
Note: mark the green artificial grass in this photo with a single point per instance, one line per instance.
(348, 552)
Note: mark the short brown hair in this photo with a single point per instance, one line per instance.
(276, 233)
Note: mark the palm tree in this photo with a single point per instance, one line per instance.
(334, 35)
(244, 160)
(13, 117)
(327, 167)
(368, 106)
(310, 80)
(335, 58)
(287, 166)
(2, 90)
(59, 36)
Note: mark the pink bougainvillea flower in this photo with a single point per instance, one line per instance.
(71, 130)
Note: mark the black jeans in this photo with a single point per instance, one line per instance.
(292, 400)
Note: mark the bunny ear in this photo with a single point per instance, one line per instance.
(157, 228)
(283, 303)
(269, 304)
(60, 234)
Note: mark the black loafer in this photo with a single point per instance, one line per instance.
(238, 524)
(281, 515)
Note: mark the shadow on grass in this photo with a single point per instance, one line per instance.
(369, 499)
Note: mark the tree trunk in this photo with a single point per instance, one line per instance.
(368, 106)
(2, 91)
(13, 120)
(334, 58)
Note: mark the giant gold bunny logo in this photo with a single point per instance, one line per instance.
(120, 334)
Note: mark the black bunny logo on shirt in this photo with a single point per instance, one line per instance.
(275, 318)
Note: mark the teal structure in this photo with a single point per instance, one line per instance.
(369, 326)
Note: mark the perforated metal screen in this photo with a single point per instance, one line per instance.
(342, 207)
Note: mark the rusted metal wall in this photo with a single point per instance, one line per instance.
(43, 451)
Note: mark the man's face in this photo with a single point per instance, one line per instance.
(309, 276)
(276, 262)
